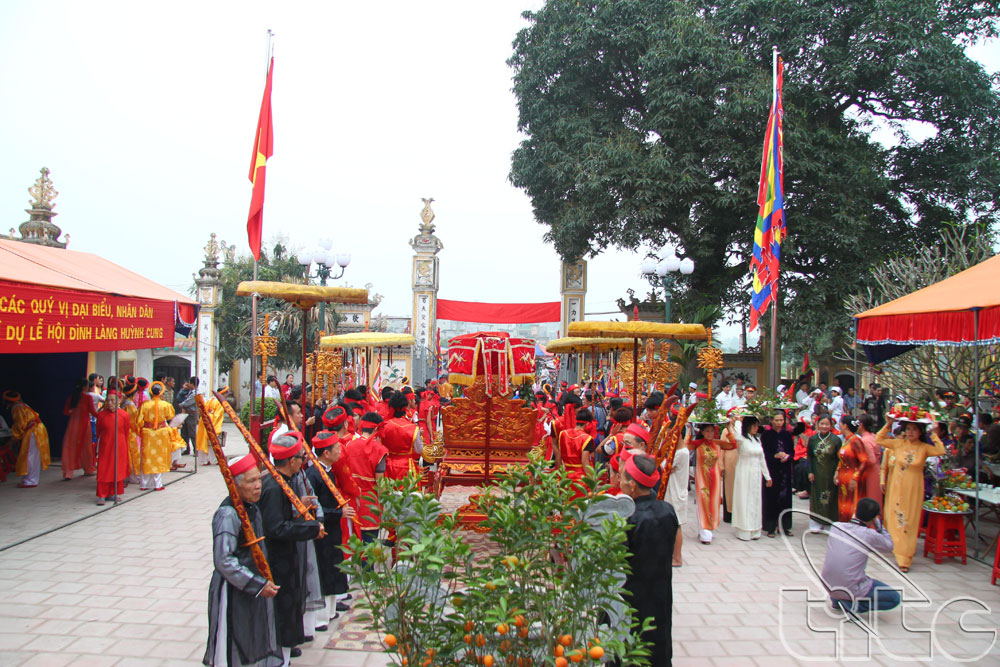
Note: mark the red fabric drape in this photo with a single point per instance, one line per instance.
(941, 328)
(506, 313)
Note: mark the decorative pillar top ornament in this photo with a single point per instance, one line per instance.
(40, 229)
(212, 250)
(43, 192)
(210, 271)
(425, 243)
(427, 215)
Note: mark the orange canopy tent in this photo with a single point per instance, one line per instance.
(961, 310)
(56, 300)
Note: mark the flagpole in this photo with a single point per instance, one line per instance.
(253, 297)
(775, 364)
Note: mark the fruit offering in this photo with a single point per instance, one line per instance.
(958, 479)
(908, 412)
(946, 504)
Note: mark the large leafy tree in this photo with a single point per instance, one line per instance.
(645, 121)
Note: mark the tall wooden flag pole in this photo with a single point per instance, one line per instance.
(765, 264)
(775, 361)
(263, 148)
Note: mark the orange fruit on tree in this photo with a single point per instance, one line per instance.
(390, 640)
(562, 662)
(426, 662)
(566, 640)
(488, 660)
(576, 656)
(596, 652)
(559, 650)
(502, 628)
(480, 640)
(468, 626)
(406, 660)
(468, 639)
(490, 586)
(523, 632)
(519, 620)
(505, 645)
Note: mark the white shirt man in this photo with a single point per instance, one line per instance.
(836, 405)
(739, 399)
(692, 395)
(724, 399)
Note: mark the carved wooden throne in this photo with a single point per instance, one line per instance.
(483, 435)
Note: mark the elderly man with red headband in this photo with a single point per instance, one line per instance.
(651, 535)
(287, 538)
(241, 618)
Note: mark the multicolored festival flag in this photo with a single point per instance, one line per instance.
(770, 230)
(263, 148)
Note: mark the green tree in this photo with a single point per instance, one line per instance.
(645, 121)
(233, 314)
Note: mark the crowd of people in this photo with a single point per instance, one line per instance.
(128, 432)
(318, 451)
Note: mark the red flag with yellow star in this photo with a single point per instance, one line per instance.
(262, 149)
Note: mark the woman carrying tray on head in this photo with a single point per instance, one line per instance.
(905, 494)
(708, 477)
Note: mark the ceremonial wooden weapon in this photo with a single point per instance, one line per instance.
(668, 447)
(341, 501)
(252, 540)
(293, 497)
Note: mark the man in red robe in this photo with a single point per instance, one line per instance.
(113, 426)
(382, 409)
(576, 448)
(427, 412)
(365, 456)
(401, 438)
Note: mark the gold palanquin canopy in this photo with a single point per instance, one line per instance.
(303, 297)
(367, 339)
(587, 345)
(637, 329)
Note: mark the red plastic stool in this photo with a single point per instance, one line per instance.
(996, 565)
(945, 536)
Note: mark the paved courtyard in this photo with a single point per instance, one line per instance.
(128, 586)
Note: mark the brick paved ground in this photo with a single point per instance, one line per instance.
(128, 587)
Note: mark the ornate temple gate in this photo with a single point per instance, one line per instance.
(426, 282)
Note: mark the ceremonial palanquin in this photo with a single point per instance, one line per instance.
(486, 430)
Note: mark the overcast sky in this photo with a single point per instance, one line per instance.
(145, 113)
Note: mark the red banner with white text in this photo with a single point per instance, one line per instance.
(41, 319)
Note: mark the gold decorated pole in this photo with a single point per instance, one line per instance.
(265, 346)
(710, 360)
(253, 542)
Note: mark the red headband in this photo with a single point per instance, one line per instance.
(325, 439)
(281, 453)
(648, 481)
(639, 432)
(366, 425)
(241, 465)
(334, 417)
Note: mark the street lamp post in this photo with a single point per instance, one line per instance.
(325, 260)
(665, 267)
